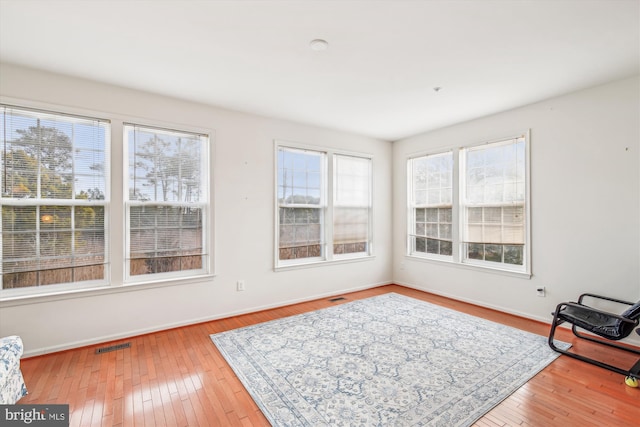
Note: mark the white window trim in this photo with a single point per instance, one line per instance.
(206, 165)
(327, 227)
(323, 207)
(458, 259)
(59, 111)
(114, 281)
(410, 251)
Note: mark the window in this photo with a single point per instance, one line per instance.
(351, 205)
(432, 198)
(478, 216)
(302, 203)
(323, 206)
(493, 202)
(55, 195)
(61, 217)
(166, 202)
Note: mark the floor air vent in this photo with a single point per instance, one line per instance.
(113, 348)
(336, 299)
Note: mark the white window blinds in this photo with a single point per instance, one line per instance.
(167, 200)
(54, 184)
(323, 206)
(351, 204)
(431, 197)
(470, 205)
(494, 193)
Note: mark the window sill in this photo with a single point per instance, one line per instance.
(484, 269)
(312, 264)
(66, 294)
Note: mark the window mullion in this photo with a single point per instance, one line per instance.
(330, 183)
(457, 216)
(38, 159)
(412, 217)
(38, 255)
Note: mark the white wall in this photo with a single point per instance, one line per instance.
(585, 162)
(244, 222)
(585, 202)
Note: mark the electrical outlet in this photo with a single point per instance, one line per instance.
(240, 285)
(541, 291)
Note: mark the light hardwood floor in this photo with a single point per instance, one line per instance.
(178, 378)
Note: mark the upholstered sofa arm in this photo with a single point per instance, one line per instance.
(11, 349)
(12, 386)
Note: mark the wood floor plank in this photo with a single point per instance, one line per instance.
(179, 378)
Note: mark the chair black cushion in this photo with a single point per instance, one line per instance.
(601, 324)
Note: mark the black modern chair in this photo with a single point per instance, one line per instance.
(610, 326)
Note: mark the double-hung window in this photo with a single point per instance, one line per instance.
(351, 205)
(471, 205)
(494, 203)
(55, 198)
(302, 202)
(58, 216)
(432, 204)
(166, 202)
(323, 206)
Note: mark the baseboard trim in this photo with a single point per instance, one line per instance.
(631, 340)
(134, 333)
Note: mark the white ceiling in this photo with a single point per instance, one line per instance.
(375, 79)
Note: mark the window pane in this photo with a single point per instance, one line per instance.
(300, 234)
(432, 178)
(513, 254)
(434, 223)
(48, 157)
(498, 225)
(165, 166)
(50, 248)
(475, 251)
(18, 241)
(352, 204)
(165, 239)
(168, 173)
(495, 201)
(350, 230)
(494, 196)
(300, 176)
(432, 183)
(495, 172)
(300, 182)
(352, 180)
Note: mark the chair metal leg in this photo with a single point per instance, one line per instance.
(633, 372)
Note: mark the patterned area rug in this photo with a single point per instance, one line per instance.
(389, 360)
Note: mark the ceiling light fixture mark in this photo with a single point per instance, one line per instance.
(319, 44)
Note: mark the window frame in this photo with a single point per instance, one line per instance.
(114, 281)
(327, 253)
(368, 206)
(205, 206)
(459, 257)
(54, 112)
(413, 206)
